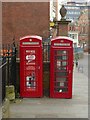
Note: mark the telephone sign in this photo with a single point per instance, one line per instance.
(31, 66)
(61, 67)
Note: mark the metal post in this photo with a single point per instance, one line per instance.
(13, 66)
(8, 66)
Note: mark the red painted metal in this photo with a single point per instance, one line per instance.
(31, 66)
(61, 67)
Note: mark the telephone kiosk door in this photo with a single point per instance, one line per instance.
(61, 67)
(31, 66)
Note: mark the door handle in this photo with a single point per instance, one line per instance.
(69, 71)
(38, 67)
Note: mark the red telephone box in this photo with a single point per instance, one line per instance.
(61, 67)
(31, 66)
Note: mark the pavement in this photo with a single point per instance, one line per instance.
(46, 107)
(0, 112)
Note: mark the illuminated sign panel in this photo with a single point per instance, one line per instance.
(30, 43)
(61, 44)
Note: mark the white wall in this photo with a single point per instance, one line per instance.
(74, 36)
(52, 14)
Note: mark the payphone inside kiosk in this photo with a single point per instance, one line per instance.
(61, 67)
(31, 66)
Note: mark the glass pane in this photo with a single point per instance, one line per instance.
(61, 65)
(64, 63)
(61, 79)
(58, 57)
(61, 57)
(61, 74)
(64, 52)
(61, 68)
(64, 57)
(61, 84)
(58, 64)
(58, 84)
(59, 52)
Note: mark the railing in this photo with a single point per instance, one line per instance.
(3, 67)
(8, 56)
(9, 67)
(46, 52)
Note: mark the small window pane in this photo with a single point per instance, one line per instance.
(61, 74)
(64, 63)
(61, 79)
(61, 57)
(58, 84)
(64, 57)
(59, 52)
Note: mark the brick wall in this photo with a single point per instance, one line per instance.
(24, 18)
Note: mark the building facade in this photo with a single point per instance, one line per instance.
(73, 33)
(74, 10)
(24, 18)
(83, 24)
(53, 9)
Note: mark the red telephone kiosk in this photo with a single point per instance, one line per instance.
(61, 67)
(31, 66)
